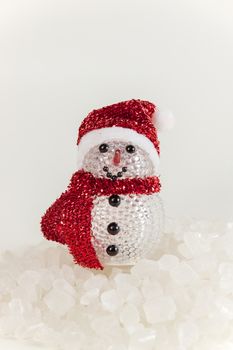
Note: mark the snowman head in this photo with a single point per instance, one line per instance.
(118, 159)
(120, 140)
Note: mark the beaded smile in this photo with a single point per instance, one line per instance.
(114, 177)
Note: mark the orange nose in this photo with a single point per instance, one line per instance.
(117, 157)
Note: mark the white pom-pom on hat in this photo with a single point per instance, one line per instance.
(163, 119)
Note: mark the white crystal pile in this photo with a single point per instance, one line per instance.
(181, 299)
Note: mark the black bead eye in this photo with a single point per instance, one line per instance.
(103, 148)
(130, 149)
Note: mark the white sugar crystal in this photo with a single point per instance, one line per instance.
(126, 288)
(227, 242)
(205, 264)
(225, 306)
(129, 317)
(47, 279)
(25, 293)
(62, 284)
(143, 339)
(7, 283)
(52, 256)
(160, 309)
(183, 274)
(118, 347)
(151, 289)
(184, 251)
(59, 302)
(108, 328)
(181, 299)
(96, 282)
(90, 296)
(68, 274)
(16, 306)
(204, 302)
(196, 243)
(29, 278)
(188, 334)
(226, 276)
(215, 325)
(110, 300)
(81, 274)
(134, 296)
(145, 268)
(168, 262)
(124, 280)
(112, 271)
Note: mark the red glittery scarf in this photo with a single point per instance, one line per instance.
(68, 220)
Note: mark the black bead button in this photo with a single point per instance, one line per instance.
(112, 250)
(113, 228)
(114, 200)
(124, 169)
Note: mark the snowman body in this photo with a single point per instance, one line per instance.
(131, 224)
(139, 219)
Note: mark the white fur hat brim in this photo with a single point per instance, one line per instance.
(98, 136)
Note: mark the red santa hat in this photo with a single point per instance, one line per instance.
(133, 121)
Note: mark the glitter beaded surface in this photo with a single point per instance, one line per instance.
(81, 217)
(138, 164)
(140, 218)
(132, 114)
(69, 219)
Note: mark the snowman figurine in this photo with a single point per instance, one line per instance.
(111, 212)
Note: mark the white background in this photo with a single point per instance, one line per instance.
(61, 59)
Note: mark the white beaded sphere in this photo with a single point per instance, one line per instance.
(138, 219)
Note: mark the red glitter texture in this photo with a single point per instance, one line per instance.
(68, 220)
(132, 114)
